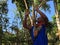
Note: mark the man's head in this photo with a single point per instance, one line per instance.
(40, 21)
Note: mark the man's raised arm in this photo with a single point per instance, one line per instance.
(25, 21)
(42, 15)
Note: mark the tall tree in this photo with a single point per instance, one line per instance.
(3, 19)
(57, 14)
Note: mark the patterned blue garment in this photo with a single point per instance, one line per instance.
(41, 38)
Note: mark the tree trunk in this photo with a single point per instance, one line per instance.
(27, 8)
(1, 31)
(57, 18)
(33, 13)
(58, 24)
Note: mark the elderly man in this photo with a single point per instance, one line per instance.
(38, 35)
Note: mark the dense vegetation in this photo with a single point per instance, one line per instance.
(22, 36)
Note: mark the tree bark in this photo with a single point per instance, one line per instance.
(27, 8)
(57, 18)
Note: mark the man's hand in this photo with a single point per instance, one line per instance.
(27, 12)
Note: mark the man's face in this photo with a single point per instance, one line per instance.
(39, 20)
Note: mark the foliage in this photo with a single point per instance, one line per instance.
(52, 28)
(58, 1)
(51, 31)
(3, 19)
(59, 7)
(22, 35)
(21, 6)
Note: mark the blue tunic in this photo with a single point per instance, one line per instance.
(41, 38)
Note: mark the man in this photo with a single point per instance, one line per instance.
(37, 33)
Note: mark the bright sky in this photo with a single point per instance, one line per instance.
(12, 7)
(50, 14)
